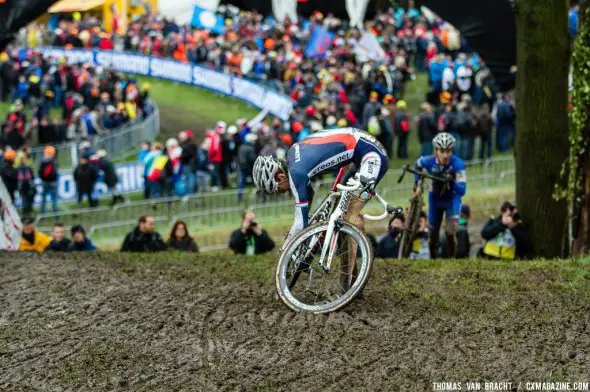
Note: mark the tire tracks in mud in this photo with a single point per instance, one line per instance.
(162, 330)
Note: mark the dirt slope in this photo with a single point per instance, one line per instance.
(205, 323)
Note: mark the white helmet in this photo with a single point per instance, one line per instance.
(444, 141)
(264, 173)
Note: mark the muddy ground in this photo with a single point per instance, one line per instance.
(204, 323)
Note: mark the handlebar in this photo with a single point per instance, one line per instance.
(407, 168)
(356, 185)
(387, 210)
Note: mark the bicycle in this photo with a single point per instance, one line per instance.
(329, 244)
(416, 204)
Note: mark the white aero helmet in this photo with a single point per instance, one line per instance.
(264, 173)
(444, 141)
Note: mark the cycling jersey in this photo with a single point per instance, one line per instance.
(441, 198)
(328, 150)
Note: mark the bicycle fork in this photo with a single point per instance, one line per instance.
(332, 233)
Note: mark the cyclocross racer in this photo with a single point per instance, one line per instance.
(315, 155)
(442, 197)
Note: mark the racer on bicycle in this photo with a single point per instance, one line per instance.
(444, 197)
(315, 155)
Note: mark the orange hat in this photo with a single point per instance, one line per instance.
(269, 43)
(9, 155)
(445, 97)
(297, 127)
(388, 99)
(49, 151)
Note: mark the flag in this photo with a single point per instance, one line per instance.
(207, 20)
(368, 48)
(319, 42)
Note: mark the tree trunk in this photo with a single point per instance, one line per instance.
(581, 221)
(542, 122)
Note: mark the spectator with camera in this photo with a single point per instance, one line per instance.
(251, 238)
(506, 236)
(388, 247)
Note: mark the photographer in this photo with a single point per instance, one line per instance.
(388, 247)
(506, 237)
(250, 239)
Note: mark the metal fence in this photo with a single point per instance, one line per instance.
(119, 143)
(212, 216)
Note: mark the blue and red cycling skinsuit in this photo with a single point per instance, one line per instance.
(328, 150)
(443, 199)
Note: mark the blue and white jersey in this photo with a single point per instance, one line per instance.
(456, 167)
(328, 150)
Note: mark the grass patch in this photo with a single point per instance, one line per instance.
(189, 107)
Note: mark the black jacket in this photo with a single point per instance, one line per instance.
(463, 250)
(62, 246)
(187, 244)
(464, 124)
(262, 243)
(485, 123)
(110, 175)
(85, 176)
(136, 241)
(520, 234)
(427, 129)
(388, 247)
(9, 177)
(189, 154)
(246, 157)
(12, 139)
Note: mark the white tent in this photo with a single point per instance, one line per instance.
(182, 10)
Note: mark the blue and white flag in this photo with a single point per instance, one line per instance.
(319, 42)
(207, 20)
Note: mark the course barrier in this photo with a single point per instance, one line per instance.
(221, 211)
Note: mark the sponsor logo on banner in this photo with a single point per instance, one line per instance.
(130, 180)
(277, 104)
(248, 91)
(124, 62)
(172, 70)
(212, 80)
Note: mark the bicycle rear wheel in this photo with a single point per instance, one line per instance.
(305, 287)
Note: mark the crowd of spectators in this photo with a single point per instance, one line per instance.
(335, 89)
(504, 237)
(53, 101)
(338, 88)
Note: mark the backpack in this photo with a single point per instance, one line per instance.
(48, 173)
(373, 126)
(405, 126)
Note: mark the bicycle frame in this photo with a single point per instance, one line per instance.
(331, 238)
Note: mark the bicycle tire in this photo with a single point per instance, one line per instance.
(357, 286)
(412, 227)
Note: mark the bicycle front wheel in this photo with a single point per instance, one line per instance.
(305, 286)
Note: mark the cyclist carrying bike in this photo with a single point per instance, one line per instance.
(315, 155)
(444, 197)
